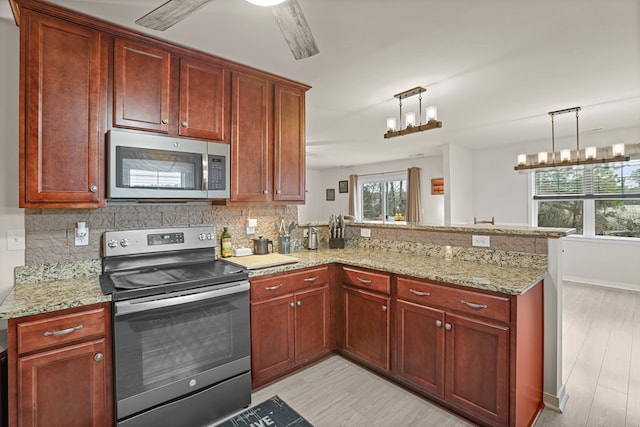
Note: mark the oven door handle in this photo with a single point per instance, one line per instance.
(167, 300)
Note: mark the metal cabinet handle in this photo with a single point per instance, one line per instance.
(273, 288)
(439, 323)
(311, 279)
(419, 293)
(184, 124)
(165, 121)
(266, 191)
(98, 357)
(365, 281)
(384, 308)
(292, 305)
(474, 305)
(93, 188)
(277, 191)
(63, 331)
(447, 326)
(299, 303)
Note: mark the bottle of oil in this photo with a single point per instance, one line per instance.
(225, 243)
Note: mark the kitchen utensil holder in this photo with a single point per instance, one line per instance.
(336, 243)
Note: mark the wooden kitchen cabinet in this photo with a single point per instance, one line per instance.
(461, 347)
(62, 99)
(267, 140)
(367, 317)
(290, 322)
(144, 96)
(59, 368)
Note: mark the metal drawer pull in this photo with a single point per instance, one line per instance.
(98, 357)
(384, 308)
(439, 323)
(299, 303)
(292, 305)
(474, 305)
(420, 294)
(447, 326)
(63, 332)
(311, 279)
(365, 281)
(273, 288)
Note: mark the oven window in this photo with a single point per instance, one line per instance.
(167, 170)
(161, 346)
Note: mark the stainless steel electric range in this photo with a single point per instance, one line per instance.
(181, 332)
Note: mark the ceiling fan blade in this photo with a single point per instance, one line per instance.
(295, 29)
(170, 13)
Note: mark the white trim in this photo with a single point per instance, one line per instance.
(604, 239)
(606, 284)
(556, 403)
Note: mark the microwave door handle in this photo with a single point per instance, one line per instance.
(166, 300)
(205, 172)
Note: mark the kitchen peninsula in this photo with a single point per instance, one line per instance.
(497, 283)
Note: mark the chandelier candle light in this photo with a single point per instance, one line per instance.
(431, 116)
(569, 157)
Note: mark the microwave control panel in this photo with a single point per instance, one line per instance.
(217, 172)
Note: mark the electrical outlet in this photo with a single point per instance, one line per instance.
(305, 232)
(81, 234)
(481, 241)
(365, 232)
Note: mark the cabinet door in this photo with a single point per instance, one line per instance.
(420, 346)
(141, 81)
(65, 387)
(477, 367)
(272, 337)
(60, 149)
(367, 326)
(250, 139)
(312, 324)
(289, 144)
(204, 99)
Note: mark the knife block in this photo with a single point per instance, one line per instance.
(336, 243)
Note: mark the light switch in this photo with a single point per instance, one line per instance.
(15, 240)
(365, 232)
(481, 241)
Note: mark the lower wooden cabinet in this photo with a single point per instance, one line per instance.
(466, 349)
(292, 327)
(59, 369)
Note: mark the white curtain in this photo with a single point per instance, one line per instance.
(414, 200)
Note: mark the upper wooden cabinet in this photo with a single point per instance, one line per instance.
(141, 82)
(144, 96)
(267, 140)
(63, 82)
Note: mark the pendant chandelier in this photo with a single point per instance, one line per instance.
(431, 117)
(568, 157)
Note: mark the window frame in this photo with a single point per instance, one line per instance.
(588, 208)
(381, 177)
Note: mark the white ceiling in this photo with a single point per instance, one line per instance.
(494, 68)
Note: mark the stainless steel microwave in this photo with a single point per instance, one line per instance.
(143, 166)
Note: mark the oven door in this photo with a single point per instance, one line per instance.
(171, 345)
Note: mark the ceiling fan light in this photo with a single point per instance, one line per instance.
(266, 3)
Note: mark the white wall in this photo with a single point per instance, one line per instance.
(11, 217)
(317, 208)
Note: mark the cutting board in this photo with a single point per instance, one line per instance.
(255, 262)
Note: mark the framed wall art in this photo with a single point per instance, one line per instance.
(437, 186)
(343, 186)
(331, 194)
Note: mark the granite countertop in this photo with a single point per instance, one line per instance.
(42, 297)
(480, 275)
(35, 297)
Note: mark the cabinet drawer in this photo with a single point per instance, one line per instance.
(287, 283)
(479, 304)
(368, 280)
(62, 329)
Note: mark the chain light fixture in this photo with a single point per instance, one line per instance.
(568, 157)
(431, 116)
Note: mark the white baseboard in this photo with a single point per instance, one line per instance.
(616, 285)
(556, 403)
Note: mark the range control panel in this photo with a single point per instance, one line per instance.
(127, 242)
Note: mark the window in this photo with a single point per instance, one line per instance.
(383, 198)
(596, 200)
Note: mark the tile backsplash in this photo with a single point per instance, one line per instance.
(50, 232)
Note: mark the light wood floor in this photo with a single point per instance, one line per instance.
(601, 369)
